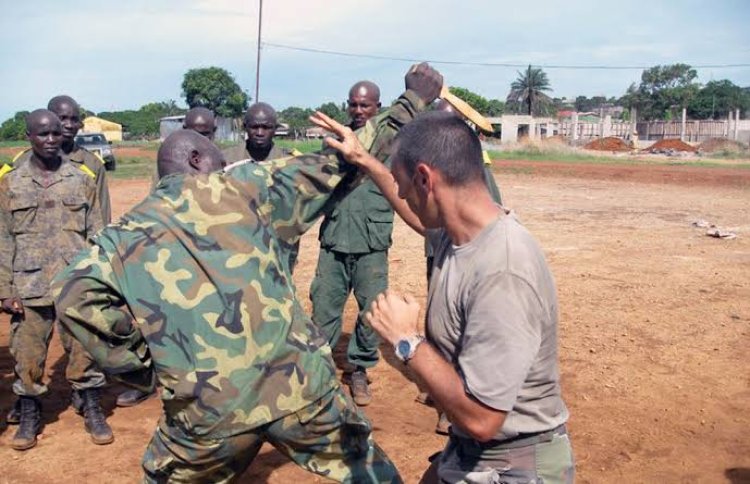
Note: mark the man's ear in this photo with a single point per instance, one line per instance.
(195, 161)
(424, 177)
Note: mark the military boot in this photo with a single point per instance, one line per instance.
(14, 414)
(29, 423)
(93, 417)
(360, 388)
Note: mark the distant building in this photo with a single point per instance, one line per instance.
(112, 131)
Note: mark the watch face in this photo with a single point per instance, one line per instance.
(403, 348)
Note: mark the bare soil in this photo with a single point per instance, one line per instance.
(654, 326)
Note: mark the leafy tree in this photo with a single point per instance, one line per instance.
(296, 118)
(488, 107)
(14, 129)
(717, 99)
(143, 123)
(215, 89)
(528, 90)
(663, 91)
(334, 111)
(584, 104)
(495, 107)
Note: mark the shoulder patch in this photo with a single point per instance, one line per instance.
(18, 155)
(101, 160)
(87, 171)
(5, 169)
(296, 152)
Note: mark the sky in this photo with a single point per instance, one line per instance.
(116, 55)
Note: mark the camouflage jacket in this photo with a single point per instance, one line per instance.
(92, 165)
(363, 221)
(239, 152)
(45, 220)
(194, 283)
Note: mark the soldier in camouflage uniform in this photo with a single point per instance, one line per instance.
(48, 210)
(69, 112)
(354, 241)
(192, 285)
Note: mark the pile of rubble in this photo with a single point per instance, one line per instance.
(670, 147)
(610, 143)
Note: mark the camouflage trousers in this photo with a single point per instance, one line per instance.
(336, 276)
(330, 438)
(549, 461)
(30, 334)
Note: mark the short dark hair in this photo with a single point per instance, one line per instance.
(443, 141)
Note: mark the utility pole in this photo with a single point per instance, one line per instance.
(257, 63)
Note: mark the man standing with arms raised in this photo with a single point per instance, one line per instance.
(354, 241)
(192, 286)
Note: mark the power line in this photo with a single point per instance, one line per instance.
(482, 64)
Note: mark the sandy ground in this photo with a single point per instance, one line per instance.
(654, 316)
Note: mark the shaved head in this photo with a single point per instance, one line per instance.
(186, 151)
(260, 125)
(67, 109)
(56, 102)
(445, 106)
(44, 132)
(363, 102)
(366, 88)
(202, 121)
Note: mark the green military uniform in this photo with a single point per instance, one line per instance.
(354, 240)
(45, 219)
(89, 163)
(193, 285)
(489, 178)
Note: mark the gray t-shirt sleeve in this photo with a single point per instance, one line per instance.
(501, 339)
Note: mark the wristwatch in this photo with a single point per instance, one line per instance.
(406, 347)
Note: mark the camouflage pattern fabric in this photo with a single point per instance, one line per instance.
(45, 220)
(330, 437)
(30, 334)
(81, 157)
(194, 283)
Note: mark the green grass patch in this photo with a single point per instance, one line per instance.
(130, 168)
(534, 153)
(305, 146)
(14, 144)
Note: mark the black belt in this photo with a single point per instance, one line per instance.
(520, 440)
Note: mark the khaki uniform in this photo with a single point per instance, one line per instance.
(90, 164)
(45, 219)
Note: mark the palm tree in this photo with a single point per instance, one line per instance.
(528, 89)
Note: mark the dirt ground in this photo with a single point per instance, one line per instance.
(654, 316)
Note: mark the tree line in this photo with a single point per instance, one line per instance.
(662, 93)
